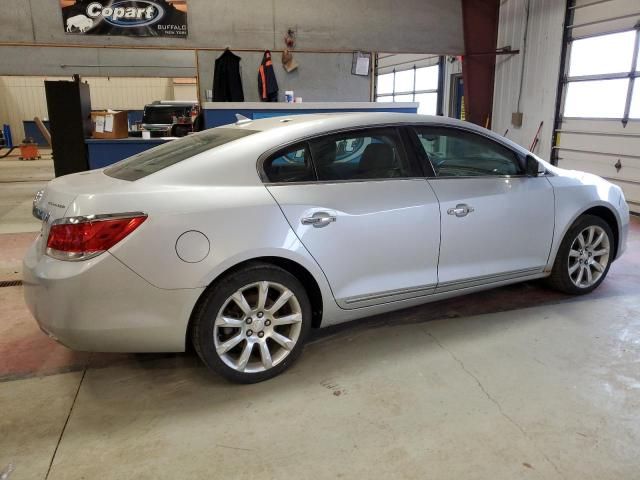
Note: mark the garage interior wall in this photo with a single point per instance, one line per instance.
(527, 82)
(320, 77)
(419, 26)
(96, 62)
(23, 97)
(599, 129)
(33, 29)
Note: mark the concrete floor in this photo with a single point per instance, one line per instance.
(517, 382)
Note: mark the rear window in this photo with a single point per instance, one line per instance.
(175, 151)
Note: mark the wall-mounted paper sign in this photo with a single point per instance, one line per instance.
(360, 63)
(139, 18)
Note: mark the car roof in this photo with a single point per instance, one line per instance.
(341, 119)
(319, 123)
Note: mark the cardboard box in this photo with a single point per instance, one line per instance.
(109, 124)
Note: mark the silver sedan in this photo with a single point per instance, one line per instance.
(242, 238)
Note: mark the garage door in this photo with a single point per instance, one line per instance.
(599, 130)
(408, 78)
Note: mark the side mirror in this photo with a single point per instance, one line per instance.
(531, 167)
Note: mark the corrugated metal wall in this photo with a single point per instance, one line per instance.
(541, 57)
(22, 98)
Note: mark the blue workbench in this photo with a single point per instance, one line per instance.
(223, 113)
(104, 152)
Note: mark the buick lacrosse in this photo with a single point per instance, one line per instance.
(242, 238)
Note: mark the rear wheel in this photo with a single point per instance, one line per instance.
(584, 256)
(252, 325)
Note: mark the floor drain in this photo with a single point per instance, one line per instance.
(10, 283)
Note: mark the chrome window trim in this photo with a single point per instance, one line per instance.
(268, 153)
(358, 180)
(306, 139)
(487, 176)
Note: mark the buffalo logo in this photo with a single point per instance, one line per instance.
(80, 23)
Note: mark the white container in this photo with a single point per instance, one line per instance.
(298, 100)
(146, 134)
(288, 96)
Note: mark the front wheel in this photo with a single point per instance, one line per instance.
(584, 256)
(252, 324)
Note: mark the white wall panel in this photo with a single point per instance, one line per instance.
(541, 57)
(22, 98)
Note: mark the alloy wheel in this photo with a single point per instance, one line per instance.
(588, 256)
(257, 327)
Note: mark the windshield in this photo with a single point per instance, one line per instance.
(163, 114)
(172, 152)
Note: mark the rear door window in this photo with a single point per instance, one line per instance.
(360, 155)
(175, 151)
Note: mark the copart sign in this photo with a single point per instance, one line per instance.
(140, 18)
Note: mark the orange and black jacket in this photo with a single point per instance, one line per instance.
(267, 83)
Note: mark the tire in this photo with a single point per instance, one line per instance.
(572, 255)
(224, 326)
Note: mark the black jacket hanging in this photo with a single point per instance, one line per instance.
(267, 83)
(227, 84)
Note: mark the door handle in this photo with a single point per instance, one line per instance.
(460, 210)
(319, 219)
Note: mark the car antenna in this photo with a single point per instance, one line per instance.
(240, 119)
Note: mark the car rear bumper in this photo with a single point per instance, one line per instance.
(101, 305)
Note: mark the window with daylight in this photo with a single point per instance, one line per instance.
(602, 77)
(410, 85)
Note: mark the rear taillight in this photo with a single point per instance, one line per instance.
(81, 238)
